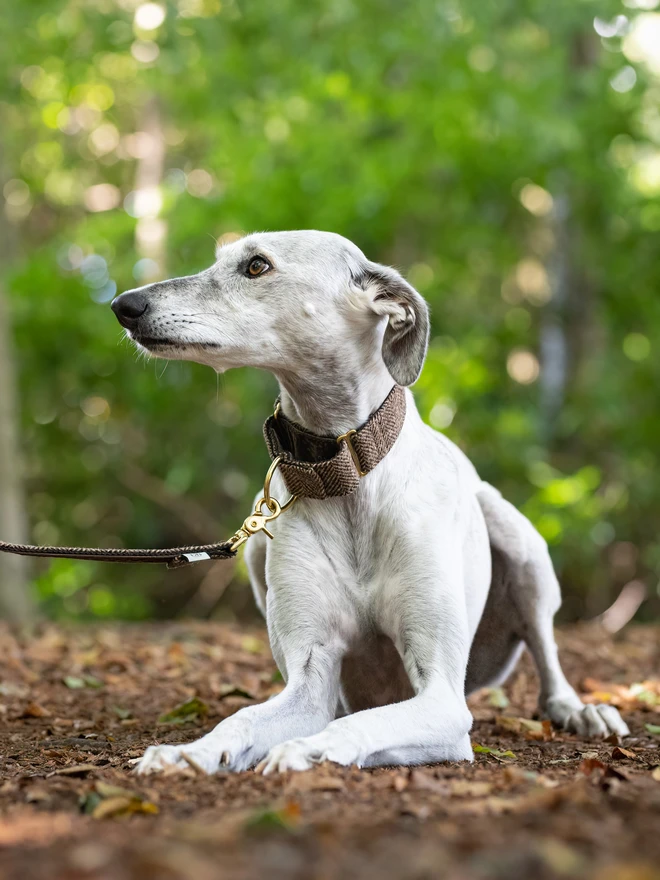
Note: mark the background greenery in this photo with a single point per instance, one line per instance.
(504, 155)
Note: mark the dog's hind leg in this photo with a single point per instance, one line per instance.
(526, 610)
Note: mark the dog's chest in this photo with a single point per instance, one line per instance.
(361, 539)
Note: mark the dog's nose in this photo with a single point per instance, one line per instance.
(129, 308)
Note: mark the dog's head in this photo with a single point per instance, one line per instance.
(285, 302)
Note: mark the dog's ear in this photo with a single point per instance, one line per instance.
(407, 333)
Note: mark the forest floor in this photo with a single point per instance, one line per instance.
(79, 705)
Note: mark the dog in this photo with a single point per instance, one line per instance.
(389, 605)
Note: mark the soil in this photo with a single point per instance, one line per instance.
(79, 705)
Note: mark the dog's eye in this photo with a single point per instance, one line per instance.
(257, 266)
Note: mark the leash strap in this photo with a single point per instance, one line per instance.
(313, 466)
(175, 557)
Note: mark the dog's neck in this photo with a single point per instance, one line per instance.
(330, 405)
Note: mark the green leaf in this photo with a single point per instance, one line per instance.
(653, 729)
(191, 710)
(274, 820)
(122, 713)
(73, 682)
(92, 682)
(496, 753)
(230, 691)
(76, 683)
(497, 698)
(89, 802)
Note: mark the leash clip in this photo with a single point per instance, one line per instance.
(258, 520)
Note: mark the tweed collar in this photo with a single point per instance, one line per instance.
(315, 466)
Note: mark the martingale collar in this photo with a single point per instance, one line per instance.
(313, 466)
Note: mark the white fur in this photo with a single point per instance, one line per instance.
(384, 607)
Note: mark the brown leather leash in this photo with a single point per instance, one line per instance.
(311, 466)
(175, 557)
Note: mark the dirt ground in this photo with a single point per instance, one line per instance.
(78, 706)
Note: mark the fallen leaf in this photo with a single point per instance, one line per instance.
(105, 790)
(109, 807)
(285, 819)
(73, 682)
(116, 807)
(191, 710)
(74, 770)
(124, 714)
(527, 727)
(653, 729)
(496, 753)
(639, 695)
(230, 691)
(107, 801)
(619, 754)
(34, 710)
(77, 682)
(91, 681)
(588, 765)
(497, 698)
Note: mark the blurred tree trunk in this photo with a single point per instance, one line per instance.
(554, 344)
(16, 602)
(566, 317)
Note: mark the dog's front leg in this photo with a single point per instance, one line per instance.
(309, 655)
(433, 640)
(432, 726)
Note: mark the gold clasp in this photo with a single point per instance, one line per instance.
(348, 437)
(258, 520)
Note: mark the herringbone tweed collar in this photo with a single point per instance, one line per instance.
(313, 466)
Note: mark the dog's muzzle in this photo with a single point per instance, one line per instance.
(129, 308)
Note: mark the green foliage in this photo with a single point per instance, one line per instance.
(479, 146)
(191, 710)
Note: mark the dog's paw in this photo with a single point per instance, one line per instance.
(301, 754)
(593, 720)
(159, 758)
(293, 755)
(228, 747)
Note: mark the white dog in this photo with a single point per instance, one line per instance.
(386, 606)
